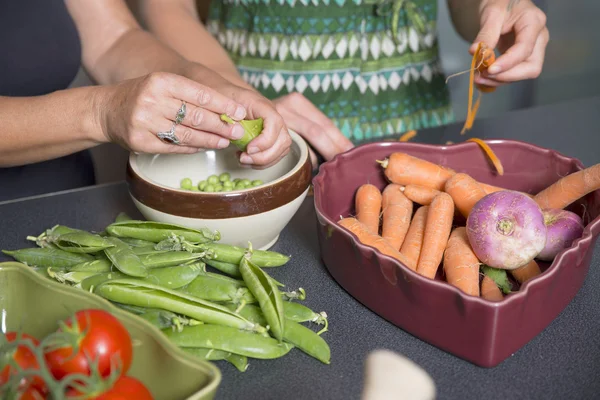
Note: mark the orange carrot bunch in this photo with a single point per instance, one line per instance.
(412, 219)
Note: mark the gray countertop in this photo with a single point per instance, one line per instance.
(563, 362)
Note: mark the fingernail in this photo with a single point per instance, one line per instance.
(237, 132)
(252, 150)
(494, 69)
(222, 143)
(240, 113)
(246, 159)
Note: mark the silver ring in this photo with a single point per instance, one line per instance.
(180, 114)
(169, 136)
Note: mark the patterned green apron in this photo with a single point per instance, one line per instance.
(372, 66)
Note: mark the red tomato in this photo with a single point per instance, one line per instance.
(102, 337)
(31, 393)
(25, 358)
(125, 388)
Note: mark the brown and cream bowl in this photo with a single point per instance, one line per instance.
(256, 215)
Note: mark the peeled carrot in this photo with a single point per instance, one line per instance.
(397, 212)
(437, 232)
(367, 237)
(465, 192)
(411, 248)
(368, 206)
(526, 272)
(570, 188)
(420, 194)
(402, 169)
(461, 265)
(489, 290)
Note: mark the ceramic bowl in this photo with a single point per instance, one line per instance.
(477, 330)
(33, 304)
(257, 215)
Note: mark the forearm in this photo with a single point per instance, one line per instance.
(40, 128)
(465, 17)
(178, 25)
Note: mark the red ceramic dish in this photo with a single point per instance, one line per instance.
(482, 332)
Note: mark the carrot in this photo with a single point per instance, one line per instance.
(397, 212)
(461, 265)
(368, 206)
(489, 290)
(368, 238)
(526, 272)
(465, 192)
(402, 169)
(437, 232)
(570, 188)
(420, 194)
(411, 248)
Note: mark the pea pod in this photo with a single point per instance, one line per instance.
(47, 257)
(266, 292)
(300, 313)
(252, 128)
(131, 242)
(233, 255)
(157, 231)
(73, 277)
(81, 242)
(240, 362)
(229, 339)
(139, 293)
(124, 259)
(99, 265)
(292, 311)
(162, 319)
(46, 238)
(175, 277)
(168, 277)
(307, 340)
(122, 217)
(143, 250)
(230, 269)
(219, 288)
(168, 258)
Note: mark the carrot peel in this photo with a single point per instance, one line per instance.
(490, 153)
(482, 59)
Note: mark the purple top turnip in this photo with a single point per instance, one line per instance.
(563, 227)
(506, 229)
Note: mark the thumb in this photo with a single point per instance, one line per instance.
(491, 22)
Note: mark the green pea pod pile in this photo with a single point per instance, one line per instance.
(214, 300)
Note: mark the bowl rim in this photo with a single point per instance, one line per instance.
(162, 340)
(296, 138)
(591, 230)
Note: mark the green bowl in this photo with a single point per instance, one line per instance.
(33, 304)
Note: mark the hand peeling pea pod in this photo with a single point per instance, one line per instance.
(48, 257)
(139, 293)
(252, 128)
(266, 292)
(229, 339)
(157, 231)
(169, 258)
(124, 259)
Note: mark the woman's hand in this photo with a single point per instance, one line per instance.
(308, 121)
(135, 111)
(518, 29)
